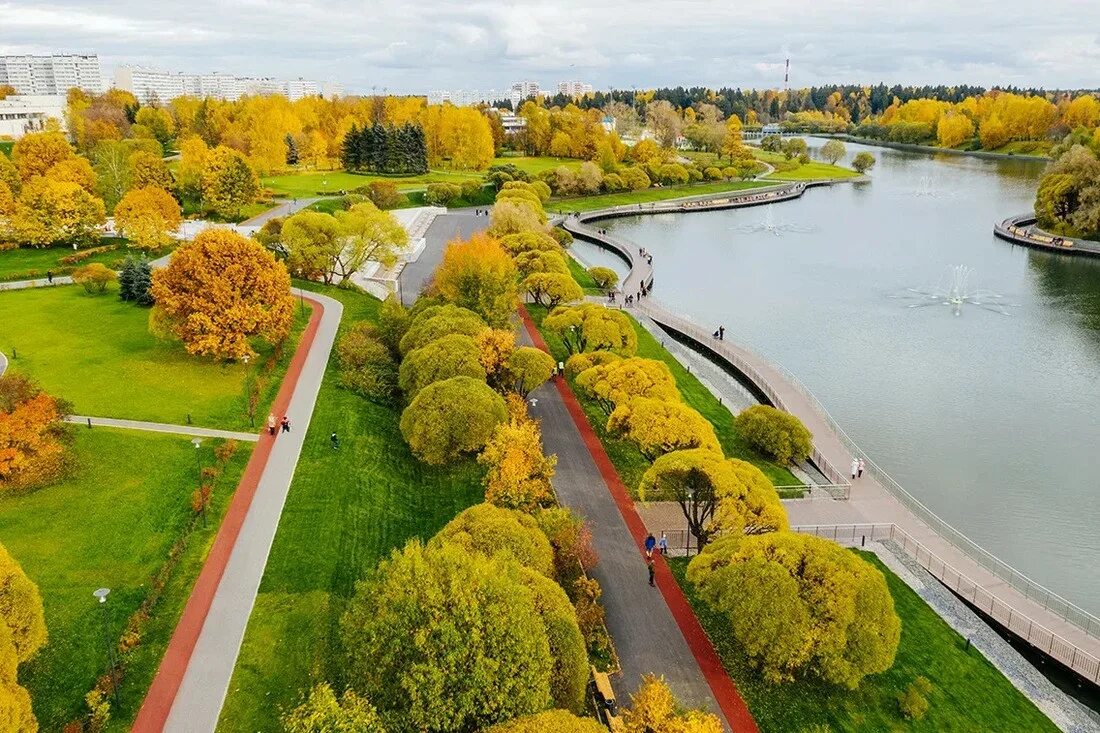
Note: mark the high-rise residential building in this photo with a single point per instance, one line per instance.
(574, 88)
(522, 90)
(51, 75)
(147, 84)
(463, 97)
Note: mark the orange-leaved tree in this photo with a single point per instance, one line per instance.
(478, 274)
(222, 289)
(33, 435)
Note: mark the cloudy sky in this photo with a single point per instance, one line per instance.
(419, 45)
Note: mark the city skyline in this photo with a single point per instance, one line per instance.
(412, 49)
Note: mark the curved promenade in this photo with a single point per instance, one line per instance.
(879, 508)
(1022, 229)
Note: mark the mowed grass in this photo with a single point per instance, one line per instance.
(110, 524)
(26, 263)
(96, 351)
(581, 277)
(346, 510)
(649, 195)
(535, 164)
(969, 694)
(628, 460)
(307, 184)
(812, 171)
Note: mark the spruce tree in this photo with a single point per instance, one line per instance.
(143, 283)
(349, 150)
(380, 146)
(126, 279)
(291, 150)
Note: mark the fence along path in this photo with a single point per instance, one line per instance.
(1036, 614)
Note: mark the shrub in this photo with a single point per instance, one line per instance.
(384, 194)
(366, 366)
(654, 708)
(549, 721)
(541, 189)
(604, 277)
(441, 194)
(451, 417)
(774, 433)
(324, 712)
(800, 605)
(635, 178)
(613, 183)
(913, 703)
(454, 355)
(572, 543)
(94, 278)
(569, 674)
(713, 174)
(393, 322)
(491, 531)
(562, 237)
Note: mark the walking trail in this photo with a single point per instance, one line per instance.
(159, 427)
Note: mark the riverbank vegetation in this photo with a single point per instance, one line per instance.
(1068, 199)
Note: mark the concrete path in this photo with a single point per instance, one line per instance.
(39, 283)
(444, 228)
(158, 427)
(284, 208)
(193, 677)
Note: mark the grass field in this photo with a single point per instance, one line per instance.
(110, 524)
(306, 184)
(96, 351)
(345, 511)
(6, 146)
(628, 460)
(533, 165)
(649, 195)
(30, 264)
(812, 171)
(581, 276)
(968, 694)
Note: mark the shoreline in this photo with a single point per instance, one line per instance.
(914, 148)
(1022, 229)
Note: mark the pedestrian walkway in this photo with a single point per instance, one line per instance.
(444, 228)
(654, 630)
(159, 427)
(191, 682)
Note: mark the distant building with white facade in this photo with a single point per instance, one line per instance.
(149, 84)
(574, 88)
(511, 123)
(522, 90)
(51, 75)
(463, 97)
(23, 113)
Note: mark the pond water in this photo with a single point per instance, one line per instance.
(967, 367)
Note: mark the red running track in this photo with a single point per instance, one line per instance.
(725, 692)
(162, 693)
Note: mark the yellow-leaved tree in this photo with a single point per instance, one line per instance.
(148, 217)
(658, 426)
(618, 381)
(37, 152)
(478, 274)
(519, 473)
(222, 289)
(56, 212)
(228, 182)
(22, 634)
(654, 708)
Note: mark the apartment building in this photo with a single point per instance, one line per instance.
(23, 113)
(51, 75)
(149, 84)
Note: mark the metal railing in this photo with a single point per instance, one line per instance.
(1032, 590)
(1019, 623)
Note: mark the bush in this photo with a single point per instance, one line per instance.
(454, 355)
(635, 178)
(712, 174)
(913, 703)
(562, 237)
(441, 194)
(491, 531)
(384, 194)
(572, 544)
(604, 277)
(94, 278)
(471, 191)
(549, 721)
(451, 417)
(569, 675)
(323, 711)
(613, 183)
(774, 433)
(365, 364)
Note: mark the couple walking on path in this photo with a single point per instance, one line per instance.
(283, 425)
(661, 546)
(857, 468)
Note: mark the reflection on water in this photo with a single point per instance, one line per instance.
(991, 420)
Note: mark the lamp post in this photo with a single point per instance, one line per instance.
(687, 537)
(101, 594)
(197, 442)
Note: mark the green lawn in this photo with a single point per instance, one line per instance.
(110, 524)
(587, 203)
(97, 352)
(628, 460)
(29, 264)
(6, 146)
(533, 165)
(306, 184)
(345, 511)
(969, 694)
(581, 276)
(812, 171)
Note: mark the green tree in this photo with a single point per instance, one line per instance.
(369, 234)
(435, 322)
(451, 417)
(228, 182)
(366, 364)
(555, 721)
(453, 355)
(833, 151)
(863, 162)
(134, 281)
(800, 605)
(491, 531)
(446, 640)
(529, 241)
(323, 712)
(591, 327)
(393, 322)
(775, 433)
(312, 240)
(528, 368)
(1068, 199)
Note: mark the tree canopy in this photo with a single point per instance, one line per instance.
(591, 327)
(454, 355)
(618, 381)
(451, 417)
(775, 433)
(491, 531)
(478, 274)
(657, 426)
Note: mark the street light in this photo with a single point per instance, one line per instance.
(197, 442)
(101, 594)
(687, 537)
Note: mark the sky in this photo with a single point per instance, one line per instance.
(414, 46)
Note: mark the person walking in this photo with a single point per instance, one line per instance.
(859, 473)
(49, 277)
(286, 424)
(271, 423)
(335, 441)
(662, 544)
(652, 573)
(855, 469)
(650, 543)
(721, 333)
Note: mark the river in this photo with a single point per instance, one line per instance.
(987, 411)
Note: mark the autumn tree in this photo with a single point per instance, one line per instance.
(323, 712)
(654, 709)
(35, 153)
(1068, 198)
(312, 241)
(591, 327)
(369, 235)
(520, 243)
(438, 321)
(478, 274)
(74, 170)
(228, 182)
(454, 355)
(863, 162)
(9, 174)
(94, 277)
(22, 634)
(800, 605)
(551, 288)
(527, 368)
(451, 417)
(558, 721)
(619, 381)
(494, 346)
(658, 427)
(56, 212)
(832, 151)
(578, 363)
(518, 472)
(775, 433)
(993, 133)
(750, 504)
(604, 277)
(953, 129)
(148, 169)
(492, 531)
(222, 289)
(514, 217)
(461, 630)
(148, 217)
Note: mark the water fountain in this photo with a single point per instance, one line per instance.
(770, 226)
(925, 188)
(954, 291)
